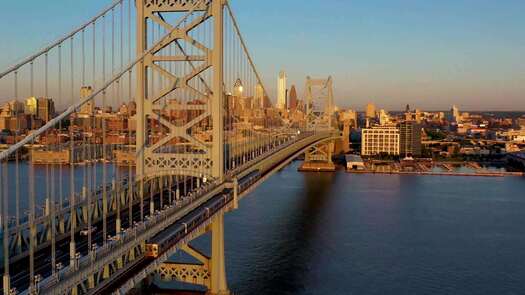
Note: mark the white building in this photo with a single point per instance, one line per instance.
(281, 91)
(378, 140)
(354, 162)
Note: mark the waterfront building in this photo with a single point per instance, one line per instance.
(410, 139)
(281, 91)
(380, 140)
(354, 162)
(370, 111)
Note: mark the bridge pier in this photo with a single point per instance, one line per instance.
(319, 158)
(6, 284)
(218, 269)
(209, 271)
(319, 114)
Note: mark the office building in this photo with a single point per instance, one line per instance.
(46, 109)
(87, 109)
(259, 96)
(410, 139)
(238, 88)
(292, 98)
(11, 108)
(370, 111)
(380, 140)
(281, 91)
(384, 118)
(31, 106)
(454, 115)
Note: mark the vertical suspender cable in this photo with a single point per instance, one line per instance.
(32, 203)
(131, 181)
(60, 179)
(5, 222)
(72, 214)
(17, 180)
(103, 123)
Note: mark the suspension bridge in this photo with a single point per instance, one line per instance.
(162, 125)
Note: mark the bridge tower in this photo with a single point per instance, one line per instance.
(189, 155)
(180, 152)
(319, 117)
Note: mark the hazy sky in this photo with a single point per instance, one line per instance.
(429, 54)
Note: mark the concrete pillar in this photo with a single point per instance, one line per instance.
(218, 269)
(6, 284)
(235, 193)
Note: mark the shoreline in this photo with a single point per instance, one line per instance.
(426, 173)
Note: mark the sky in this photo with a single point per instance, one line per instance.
(429, 54)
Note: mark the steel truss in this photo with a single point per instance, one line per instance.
(319, 103)
(319, 116)
(201, 158)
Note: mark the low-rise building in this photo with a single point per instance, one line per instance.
(354, 162)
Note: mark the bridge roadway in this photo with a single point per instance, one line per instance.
(249, 177)
(42, 248)
(19, 267)
(169, 222)
(42, 257)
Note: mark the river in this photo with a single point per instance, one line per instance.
(339, 233)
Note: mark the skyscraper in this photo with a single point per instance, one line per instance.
(259, 96)
(46, 109)
(238, 89)
(410, 139)
(31, 106)
(384, 118)
(88, 108)
(456, 114)
(281, 91)
(292, 98)
(370, 111)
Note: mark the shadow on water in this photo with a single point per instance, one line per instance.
(278, 253)
(286, 269)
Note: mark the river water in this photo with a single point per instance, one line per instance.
(339, 233)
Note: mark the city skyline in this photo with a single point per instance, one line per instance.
(428, 55)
